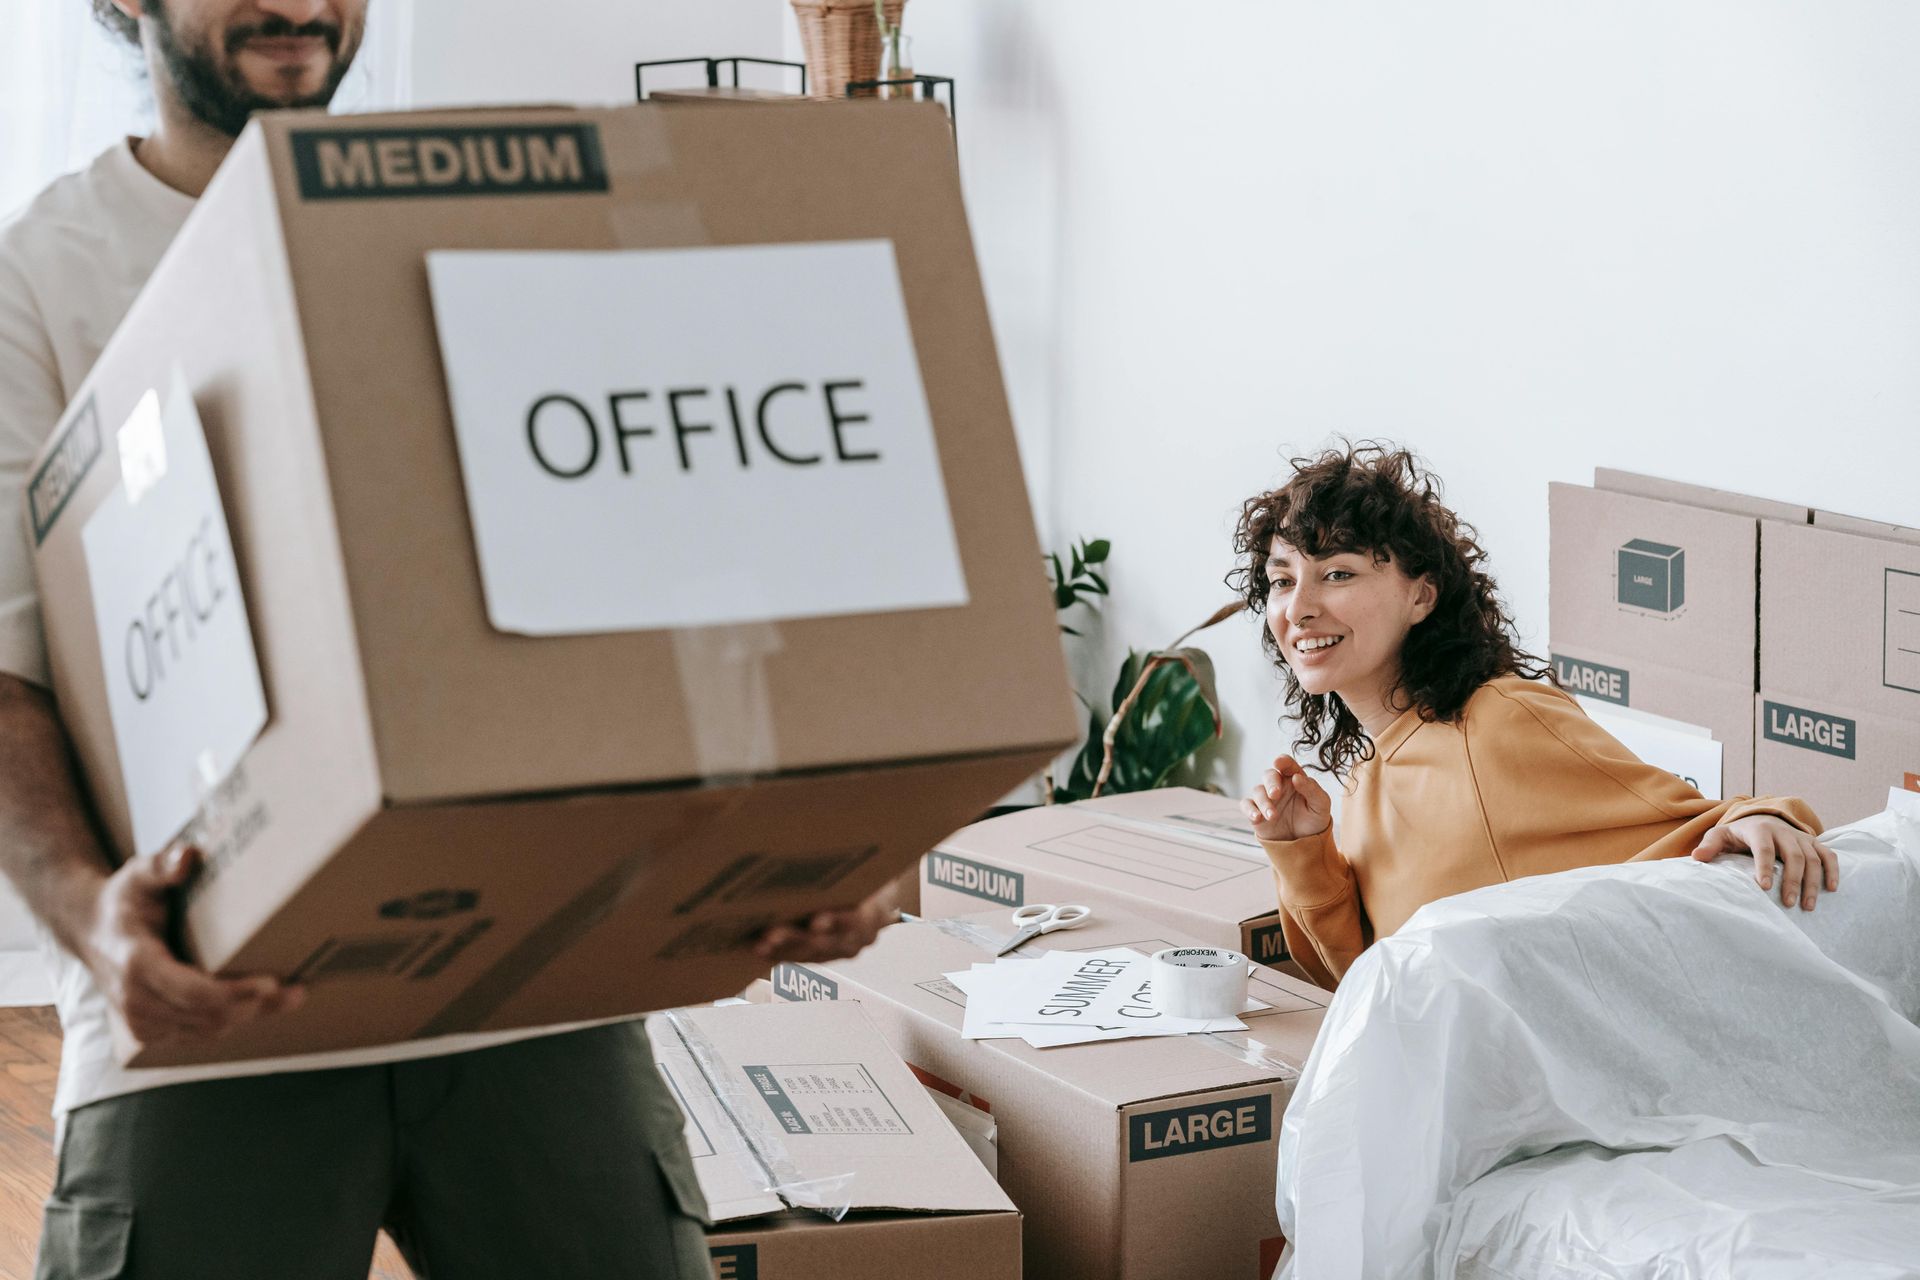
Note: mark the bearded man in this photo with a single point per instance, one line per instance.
(553, 1153)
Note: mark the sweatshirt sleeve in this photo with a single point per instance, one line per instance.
(1321, 914)
(1559, 791)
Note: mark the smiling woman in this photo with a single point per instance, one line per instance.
(1464, 764)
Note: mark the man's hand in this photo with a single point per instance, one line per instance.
(159, 997)
(831, 935)
(1804, 861)
(1288, 805)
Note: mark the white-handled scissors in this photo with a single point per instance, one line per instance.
(1037, 918)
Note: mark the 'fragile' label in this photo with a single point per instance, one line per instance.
(977, 879)
(1182, 1130)
(1812, 730)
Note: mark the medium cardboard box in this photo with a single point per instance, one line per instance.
(1177, 855)
(1837, 720)
(485, 795)
(1653, 590)
(813, 1094)
(1131, 1159)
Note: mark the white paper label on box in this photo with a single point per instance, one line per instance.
(1687, 751)
(176, 651)
(692, 437)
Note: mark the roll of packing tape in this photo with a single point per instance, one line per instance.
(1199, 982)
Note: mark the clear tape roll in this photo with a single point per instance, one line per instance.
(1199, 982)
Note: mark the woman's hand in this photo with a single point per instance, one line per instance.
(1288, 805)
(1804, 861)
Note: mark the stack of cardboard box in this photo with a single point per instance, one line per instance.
(1792, 635)
(1837, 719)
(1653, 602)
(1130, 1159)
(821, 1157)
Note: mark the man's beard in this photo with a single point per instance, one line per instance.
(208, 84)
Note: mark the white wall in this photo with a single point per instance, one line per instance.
(1524, 237)
(497, 51)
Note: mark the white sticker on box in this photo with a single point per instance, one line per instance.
(692, 437)
(176, 651)
(1688, 751)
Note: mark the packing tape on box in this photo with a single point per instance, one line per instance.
(1199, 982)
(760, 1145)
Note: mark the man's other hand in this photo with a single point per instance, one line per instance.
(840, 934)
(159, 997)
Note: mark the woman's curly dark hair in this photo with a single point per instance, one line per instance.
(108, 15)
(1379, 500)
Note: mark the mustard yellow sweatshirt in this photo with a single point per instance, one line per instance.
(1523, 784)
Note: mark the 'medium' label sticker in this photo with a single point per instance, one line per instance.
(454, 160)
(64, 469)
(1812, 730)
(673, 438)
(1576, 675)
(1180, 1131)
(977, 879)
(176, 651)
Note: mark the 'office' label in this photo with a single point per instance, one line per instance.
(492, 160)
(1798, 727)
(976, 879)
(1609, 684)
(1181, 1130)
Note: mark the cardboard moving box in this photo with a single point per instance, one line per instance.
(604, 604)
(809, 1099)
(1177, 855)
(1837, 719)
(1653, 593)
(1131, 1159)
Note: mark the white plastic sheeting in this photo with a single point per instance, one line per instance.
(1651, 1070)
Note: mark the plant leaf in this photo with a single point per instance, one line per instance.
(1200, 667)
(1097, 551)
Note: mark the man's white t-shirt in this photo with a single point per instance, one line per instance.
(71, 264)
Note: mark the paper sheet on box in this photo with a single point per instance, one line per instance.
(1072, 997)
(182, 679)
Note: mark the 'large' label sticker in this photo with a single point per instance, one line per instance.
(183, 681)
(692, 437)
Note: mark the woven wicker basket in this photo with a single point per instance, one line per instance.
(842, 41)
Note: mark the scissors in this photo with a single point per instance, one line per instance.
(1037, 918)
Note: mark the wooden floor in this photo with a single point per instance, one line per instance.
(29, 1062)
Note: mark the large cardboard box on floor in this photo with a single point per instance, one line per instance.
(795, 1112)
(1178, 855)
(1130, 1159)
(631, 539)
(1653, 590)
(1837, 719)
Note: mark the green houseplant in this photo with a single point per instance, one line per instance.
(1165, 705)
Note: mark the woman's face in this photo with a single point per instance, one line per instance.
(1341, 619)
